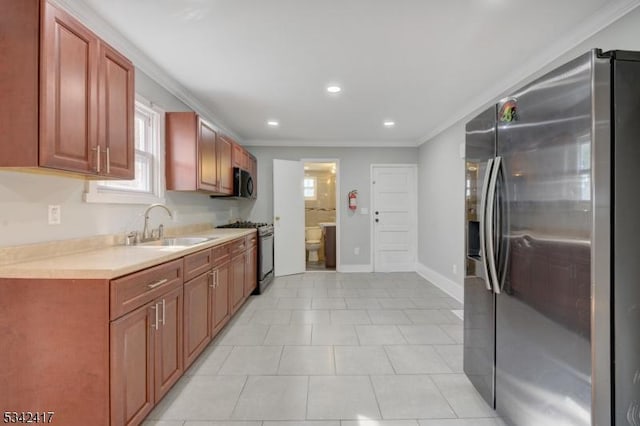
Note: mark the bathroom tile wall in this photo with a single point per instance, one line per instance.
(323, 208)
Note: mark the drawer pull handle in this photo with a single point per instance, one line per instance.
(157, 283)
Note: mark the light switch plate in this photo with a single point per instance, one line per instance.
(364, 210)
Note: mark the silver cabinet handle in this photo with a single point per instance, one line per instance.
(489, 221)
(157, 283)
(214, 279)
(97, 150)
(108, 161)
(155, 308)
(164, 312)
(483, 215)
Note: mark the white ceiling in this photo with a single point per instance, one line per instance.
(422, 63)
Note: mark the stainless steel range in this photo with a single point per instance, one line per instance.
(265, 251)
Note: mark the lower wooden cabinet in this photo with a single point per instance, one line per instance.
(196, 317)
(117, 346)
(250, 273)
(220, 312)
(237, 282)
(146, 357)
(132, 370)
(168, 342)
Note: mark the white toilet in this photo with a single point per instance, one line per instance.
(313, 234)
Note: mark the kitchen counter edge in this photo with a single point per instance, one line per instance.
(114, 261)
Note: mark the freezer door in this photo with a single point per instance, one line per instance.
(543, 353)
(479, 313)
(626, 237)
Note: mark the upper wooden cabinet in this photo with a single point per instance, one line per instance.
(225, 166)
(116, 113)
(198, 159)
(67, 95)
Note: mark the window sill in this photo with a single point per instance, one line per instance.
(114, 198)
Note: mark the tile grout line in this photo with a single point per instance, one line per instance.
(306, 407)
(224, 361)
(244, 385)
(384, 348)
(375, 395)
(280, 360)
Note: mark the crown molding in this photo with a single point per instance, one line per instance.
(331, 144)
(537, 64)
(92, 20)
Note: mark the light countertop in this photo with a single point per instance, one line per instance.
(114, 261)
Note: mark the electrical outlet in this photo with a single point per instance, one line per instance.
(55, 214)
(455, 269)
(356, 250)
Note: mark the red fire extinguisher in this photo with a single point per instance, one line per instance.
(353, 199)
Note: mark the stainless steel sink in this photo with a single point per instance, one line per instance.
(179, 241)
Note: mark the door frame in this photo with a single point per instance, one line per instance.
(414, 210)
(338, 198)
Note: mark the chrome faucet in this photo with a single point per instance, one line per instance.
(146, 235)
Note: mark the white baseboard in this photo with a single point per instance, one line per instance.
(355, 268)
(445, 284)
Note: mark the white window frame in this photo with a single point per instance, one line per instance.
(97, 193)
(315, 188)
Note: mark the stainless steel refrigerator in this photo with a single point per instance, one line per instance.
(552, 286)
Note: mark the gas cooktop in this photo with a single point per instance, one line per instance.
(244, 224)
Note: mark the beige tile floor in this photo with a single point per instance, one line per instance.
(331, 349)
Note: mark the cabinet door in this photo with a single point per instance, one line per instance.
(246, 160)
(237, 157)
(220, 299)
(168, 342)
(196, 317)
(208, 164)
(116, 113)
(237, 282)
(132, 366)
(69, 94)
(254, 173)
(225, 168)
(250, 268)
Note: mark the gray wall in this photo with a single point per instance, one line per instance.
(24, 199)
(441, 203)
(354, 173)
(441, 170)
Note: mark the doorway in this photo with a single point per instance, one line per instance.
(394, 219)
(320, 214)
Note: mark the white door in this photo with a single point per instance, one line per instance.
(394, 216)
(288, 217)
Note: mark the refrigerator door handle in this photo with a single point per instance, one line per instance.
(489, 221)
(483, 220)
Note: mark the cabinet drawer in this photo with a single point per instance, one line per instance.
(221, 254)
(251, 240)
(237, 246)
(197, 263)
(133, 291)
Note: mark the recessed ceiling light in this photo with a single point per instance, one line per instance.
(273, 123)
(389, 123)
(334, 89)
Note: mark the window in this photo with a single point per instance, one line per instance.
(310, 185)
(148, 185)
